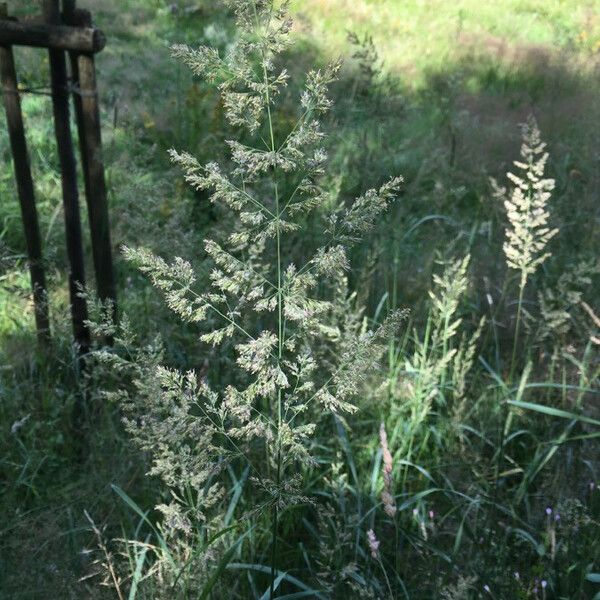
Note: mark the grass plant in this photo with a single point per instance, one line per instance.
(333, 395)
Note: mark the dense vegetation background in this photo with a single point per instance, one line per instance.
(434, 91)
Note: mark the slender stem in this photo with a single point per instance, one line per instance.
(387, 579)
(274, 528)
(247, 266)
(500, 457)
(396, 554)
(220, 313)
(506, 414)
(517, 326)
(444, 351)
(244, 193)
(280, 328)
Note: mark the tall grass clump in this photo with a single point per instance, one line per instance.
(431, 370)
(528, 235)
(297, 356)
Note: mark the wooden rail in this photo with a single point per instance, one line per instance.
(57, 37)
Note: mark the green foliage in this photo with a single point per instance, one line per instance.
(269, 307)
(284, 459)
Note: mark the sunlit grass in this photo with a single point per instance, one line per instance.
(414, 36)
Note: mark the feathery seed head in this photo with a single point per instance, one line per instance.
(527, 208)
(373, 544)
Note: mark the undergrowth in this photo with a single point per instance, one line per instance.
(367, 389)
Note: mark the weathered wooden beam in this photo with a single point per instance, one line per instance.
(87, 111)
(18, 143)
(75, 17)
(58, 37)
(68, 167)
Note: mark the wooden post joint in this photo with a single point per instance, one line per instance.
(57, 37)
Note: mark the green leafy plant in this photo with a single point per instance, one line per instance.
(298, 356)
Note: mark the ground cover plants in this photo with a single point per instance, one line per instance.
(358, 347)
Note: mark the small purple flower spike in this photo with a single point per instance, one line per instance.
(431, 514)
(486, 587)
(544, 583)
(557, 517)
(517, 576)
(415, 511)
(548, 511)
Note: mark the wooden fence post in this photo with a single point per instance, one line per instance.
(70, 32)
(25, 190)
(60, 102)
(87, 113)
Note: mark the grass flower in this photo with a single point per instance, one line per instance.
(373, 544)
(528, 234)
(527, 208)
(387, 497)
(297, 357)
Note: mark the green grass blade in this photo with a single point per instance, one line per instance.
(223, 563)
(137, 575)
(278, 580)
(304, 594)
(554, 412)
(238, 489)
(143, 515)
(266, 569)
